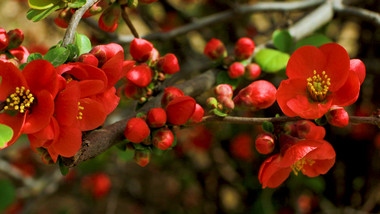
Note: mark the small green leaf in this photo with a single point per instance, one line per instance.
(321, 121)
(7, 194)
(140, 114)
(282, 40)
(316, 40)
(218, 113)
(37, 15)
(268, 127)
(34, 56)
(22, 66)
(57, 56)
(6, 134)
(77, 3)
(223, 78)
(64, 169)
(42, 4)
(271, 60)
(74, 51)
(83, 43)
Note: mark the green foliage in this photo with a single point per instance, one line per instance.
(83, 43)
(316, 40)
(268, 127)
(223, 78)
(34, 56)
(7, 193)
(64, 169)
(271, 60)
(219, 113)
(57, 56)
(6, 134)
(36, 15)
(74, 51)
(77, 3)
(282, 40)
(42, 4)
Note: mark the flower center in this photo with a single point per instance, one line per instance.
(20, 101)
(318, 86)
(80, 113)
(298, 166)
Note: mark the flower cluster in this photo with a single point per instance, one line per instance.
(302, 149)
(54, 105)
(236, 65)
(154, 128)
(11, 42)
(319, 79)
(223, 99)
(150, 70)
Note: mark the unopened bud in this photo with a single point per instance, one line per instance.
(163, 138)
(264, 143)
(236, 70)
(211, 103)
(252, 71)
(215, 49)
(88, 58)
(16, 37)
(4, 40)
(142, 157)
(224, 90)
(337, 116)
(244, 48)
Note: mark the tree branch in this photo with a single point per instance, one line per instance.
(364, 14)
(227, 15)
(126, 19)
(70, 31)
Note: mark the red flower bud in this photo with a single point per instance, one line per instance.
(215, 49)
(168, 64)
(252, 71)
(140, 49)
(236, 70)
(337, 116)
(264, 143)
(224, 90)
(97, 184)
(89, 59)
(180, 109)
(63, 18)
(156, 117)
(132, 91)
(21, 53)
(4, 39)
(16, 37)
(140, 75)
(241, 147)
(108, 21)
(258, 95)
(154, 55)
(163, 138)
(226, 102)
(358, 67)
(211, 102)
(197, 116)
(136, 130)
(142, 157)
(169, 94)
(106, 52)
(244, 48)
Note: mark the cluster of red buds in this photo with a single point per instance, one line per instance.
(222, 102)
(150, 70)
(108, 20)
(10, 46)
(156, 127)
(237, 65)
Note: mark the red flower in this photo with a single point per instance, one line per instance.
(136, 130)
(28, 96)
(180, 109)
(244, 48)
(318, 78)
(311, 157)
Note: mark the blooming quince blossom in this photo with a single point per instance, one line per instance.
(28, 96)
(318, 79)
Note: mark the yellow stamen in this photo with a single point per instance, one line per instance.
(20, 100)
(80, 113)
(318, 86)
(298, 166)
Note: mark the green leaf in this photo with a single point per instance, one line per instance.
(74, 51)
(77, 3)
(218, 113)
(6, 134)
(268, 127)
(321, 121)
(37, 15)
(42, 4)
(57, 56)
(316, 40)
(83, 43)
(7, 194)
(34, 56)
(64, 169)
(223, 78)
(282, 40)
(271, 60)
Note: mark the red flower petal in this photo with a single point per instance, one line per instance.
(285, 92)
(90, 87)
(113, 68)
(180, 109)
(15, 122)
(109, 99)
(349, 92)
(40, 114)
(69, 141)
(41, 75)
(11, 77)
(271, 173)
(44, 136)
(66, 105)
(298, 151)
(93, 116)
(302, 106)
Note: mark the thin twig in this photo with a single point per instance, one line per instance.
(71, 29)
(364, 14)
(227, 15)
(126, 19)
